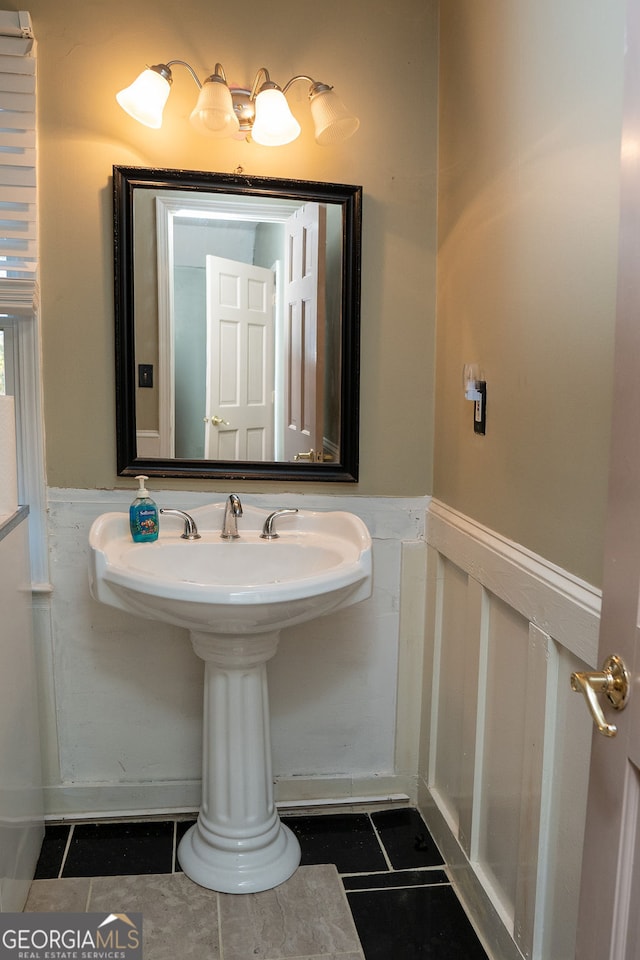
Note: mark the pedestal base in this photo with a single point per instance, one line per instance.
(238, 844)
(238, 870)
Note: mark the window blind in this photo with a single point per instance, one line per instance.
(18, 220)
(19, 311)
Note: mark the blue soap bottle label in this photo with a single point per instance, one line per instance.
(143, 515)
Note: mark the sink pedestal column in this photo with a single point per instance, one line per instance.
(238, 844)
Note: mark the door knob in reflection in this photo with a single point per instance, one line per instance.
(216, 421)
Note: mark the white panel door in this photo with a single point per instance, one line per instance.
(240, 361)
(609, 921)
(305, 240)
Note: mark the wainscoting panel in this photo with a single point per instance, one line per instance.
(505, 750)
(121, 696)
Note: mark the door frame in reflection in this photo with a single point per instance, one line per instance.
(197, 208)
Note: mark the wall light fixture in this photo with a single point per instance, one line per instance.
(260, 113)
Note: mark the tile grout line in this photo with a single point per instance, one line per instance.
(174, 847)
(220, 944)
(66, 850)
(406, 886)
(382, 873)
(382, 846)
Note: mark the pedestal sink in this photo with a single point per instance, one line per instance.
(234, 597)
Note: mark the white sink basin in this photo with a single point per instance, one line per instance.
(320, 562)
(234, 597)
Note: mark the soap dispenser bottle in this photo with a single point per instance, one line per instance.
(143, 515)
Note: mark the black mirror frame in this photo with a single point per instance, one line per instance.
(128, 179)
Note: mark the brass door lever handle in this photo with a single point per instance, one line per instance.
(613, 680)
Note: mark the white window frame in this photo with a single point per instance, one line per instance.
(8, 329)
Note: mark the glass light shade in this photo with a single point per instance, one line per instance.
(331, 119)
(144, 100)
(274, 124)
(213, 113)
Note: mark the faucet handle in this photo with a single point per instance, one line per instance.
(268, 530)
(190, 529)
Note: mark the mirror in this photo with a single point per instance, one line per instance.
(237, 309)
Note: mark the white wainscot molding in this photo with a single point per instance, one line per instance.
(506, 744)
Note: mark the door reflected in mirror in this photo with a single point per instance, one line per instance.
(237, 325)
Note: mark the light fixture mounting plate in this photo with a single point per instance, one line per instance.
(244, 107)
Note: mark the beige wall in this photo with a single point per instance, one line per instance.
(529, 133)
(530, 113)
(383, 64)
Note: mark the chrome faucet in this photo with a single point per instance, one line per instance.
(269, 530)
(232, 510)
(190, 529)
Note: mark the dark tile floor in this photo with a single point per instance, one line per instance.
(402, 903)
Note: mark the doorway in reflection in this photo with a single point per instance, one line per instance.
(226, 321)
(255, 334)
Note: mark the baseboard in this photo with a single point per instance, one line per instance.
(317, 791)
(99, 801)
(492, 933)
